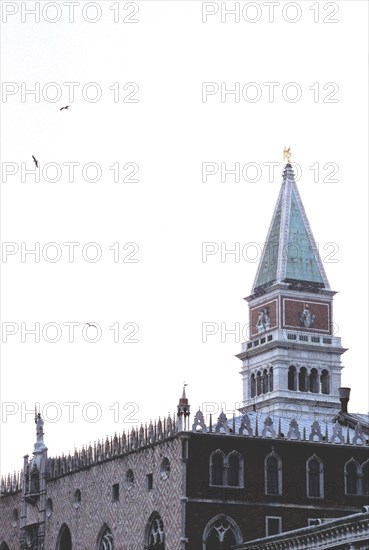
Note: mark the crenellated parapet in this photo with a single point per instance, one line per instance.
(264, 426)
(114, 447)
(253, 425)
(11, 484)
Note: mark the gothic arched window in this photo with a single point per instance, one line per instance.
(352, 477)
(292, 378)
(221, 533)
(106, 541)
(156, 535)
(217, 463)
(313, 381)
(234, 469)
(273, 474)
(64, 541)
(365, 478)
(315, 482)
(303, 379)
(4, 546)
(253, 385)
(324, 382)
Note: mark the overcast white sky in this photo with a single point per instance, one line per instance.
(169, 132)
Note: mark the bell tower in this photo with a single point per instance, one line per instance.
(291, 360)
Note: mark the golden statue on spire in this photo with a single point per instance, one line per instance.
(287, 154)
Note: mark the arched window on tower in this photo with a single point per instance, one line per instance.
(258, 383)
(64, 541)
(252, 385)
(265, 381)
(352, 477)
(271, 379)
(303, 379)
(273, 474)
(234, 469)
(217, 467)
(155, 533)
(292, 378)
(313, 381)
(221, 533)
(314, 475)
(324, 382)
(365, 478)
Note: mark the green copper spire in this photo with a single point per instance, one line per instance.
(290, 254)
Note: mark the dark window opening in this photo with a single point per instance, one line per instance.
(149, 482)
(156, 534)
(314, 478)
(115, 490)
(272, 481)
(292, 378)
(324, 381)
(233, 470)
(273, 526)
(351, 479)
(313, 381)
(253, 385)
(303, 379)
(217, 469)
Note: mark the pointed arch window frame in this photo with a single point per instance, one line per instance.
(222, 517)
(321, 477)
(105, 529)
(358, 477)
(225, 468)
(279, 474)
(217, 452)
(240, 469)
(63, 528)
(149, 526)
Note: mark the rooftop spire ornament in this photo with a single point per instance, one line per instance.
(287, 154)
(183, 410)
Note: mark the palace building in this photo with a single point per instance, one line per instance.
(290, 471)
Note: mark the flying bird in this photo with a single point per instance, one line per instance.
(90, 325)
(35, 161)
(66, 107)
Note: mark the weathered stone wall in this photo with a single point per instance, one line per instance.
(127, 517)
(9, 528)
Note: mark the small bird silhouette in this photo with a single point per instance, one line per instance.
(90, 324)
(35, 161)
(66, 107)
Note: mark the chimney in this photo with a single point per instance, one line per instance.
(344, 395)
